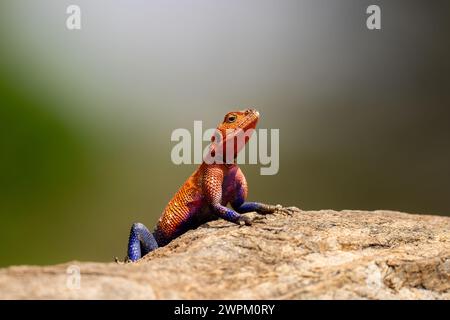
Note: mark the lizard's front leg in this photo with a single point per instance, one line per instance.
(240, 194)
(212, 189)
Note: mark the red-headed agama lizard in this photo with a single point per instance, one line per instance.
(207, 192)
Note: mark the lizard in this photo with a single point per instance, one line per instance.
(207, 192)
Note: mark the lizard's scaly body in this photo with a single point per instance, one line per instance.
(205, 194)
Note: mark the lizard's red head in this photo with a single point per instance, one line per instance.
(243, 120)
(235, 125)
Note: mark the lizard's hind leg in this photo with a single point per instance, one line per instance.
(141, 242)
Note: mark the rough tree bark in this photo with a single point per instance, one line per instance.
(311, 254)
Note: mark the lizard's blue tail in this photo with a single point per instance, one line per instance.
(141, 242)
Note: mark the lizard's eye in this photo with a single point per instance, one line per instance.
(231, 118)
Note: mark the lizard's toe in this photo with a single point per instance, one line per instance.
(244, 220)
(288, 210)
(126, 260)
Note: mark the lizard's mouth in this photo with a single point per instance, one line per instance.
(250, 120)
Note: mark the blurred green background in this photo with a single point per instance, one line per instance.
(86, 116)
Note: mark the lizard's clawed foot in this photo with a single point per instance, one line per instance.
(287, 210)
(244, 220)
(268, 208)
(126, 260)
